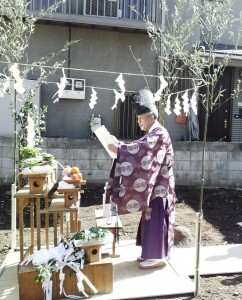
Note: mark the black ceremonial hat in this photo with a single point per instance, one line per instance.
(143, 103)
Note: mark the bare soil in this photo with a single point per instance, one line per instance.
(222, 210)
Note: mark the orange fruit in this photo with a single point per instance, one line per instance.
(79, 175)
(75, 170)
(74, 176)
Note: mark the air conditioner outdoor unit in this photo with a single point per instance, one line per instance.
(74, 89)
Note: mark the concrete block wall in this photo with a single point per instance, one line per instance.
(6, 160)
(223, 161)
(86, 154)
(223, 164)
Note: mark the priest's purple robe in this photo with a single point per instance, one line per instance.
(142, 177)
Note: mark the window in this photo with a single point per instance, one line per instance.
(104, 8)
(126, 126)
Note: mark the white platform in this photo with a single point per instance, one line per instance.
(9, 277)
(132, 282)
(214, 260)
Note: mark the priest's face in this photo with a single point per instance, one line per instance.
(145, 122)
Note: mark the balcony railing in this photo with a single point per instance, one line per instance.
(120, 9)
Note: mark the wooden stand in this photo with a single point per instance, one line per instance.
(39, 183)
(100, 274)
(56, 208)
(93, 252)
(99, 271)
(111, 224)
(24, 198)
(76, 183)
(71, 196)
(30, 195)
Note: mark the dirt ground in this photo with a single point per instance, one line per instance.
(222, 209)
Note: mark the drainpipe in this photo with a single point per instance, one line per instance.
(160, 65)
(69, 53)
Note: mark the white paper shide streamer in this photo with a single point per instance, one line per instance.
(93, 99)
(193, 103)
(19, 81)
(177, 109)
(185, 103)
(121, 83)
(47, 288)
(168, 105)
(119, 95)
(61, 87)
(163, 85)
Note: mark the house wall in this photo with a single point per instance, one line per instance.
(236, 26)
(226, 39)
(100, 50)
(223, 161)
(7, 107)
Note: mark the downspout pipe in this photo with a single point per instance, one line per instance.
(160, 62)
(69, 52)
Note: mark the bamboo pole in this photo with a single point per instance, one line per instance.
(199, 229)
(197, 257)
(14, 185)
(13, 216)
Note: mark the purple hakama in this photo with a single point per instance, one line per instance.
(154, 232)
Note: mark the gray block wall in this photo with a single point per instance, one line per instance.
(223, 161)
(6, 160)
(223, 164)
